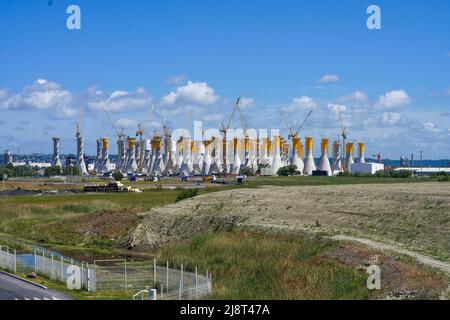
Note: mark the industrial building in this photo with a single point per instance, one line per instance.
(228, 153)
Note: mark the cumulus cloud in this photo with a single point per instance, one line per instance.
(391, 118)
(300, 104)
(64, 112)
(328, 78)
(336, 107)
(192, 93)
(213, 117)
(177, 79)
(393, 99)
(430, 127)
(119, 100)
(246, 102)
(42, 94)
(127, 123)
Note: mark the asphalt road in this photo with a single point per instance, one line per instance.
(14, 289)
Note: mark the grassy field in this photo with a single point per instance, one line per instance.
(99, 222)
(249, 265)
(326, 181)
(245, 265)
(292, 268)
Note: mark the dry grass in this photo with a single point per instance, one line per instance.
(416, 216)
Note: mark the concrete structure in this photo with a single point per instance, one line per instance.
(81, 165)
(350, 149)
(207, 159)
(98, 161)
(298, 154)
(106, 164)
(237, 145)
(276, 162)
(324, 161)
(424, 171)
(56, 161)
(131, 166)
(121, 155)
(157, 167)
(337, 157)
(361, 152)
(310, 166)
(8, 158)
(366, 168)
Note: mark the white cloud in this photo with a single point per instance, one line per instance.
(393, 99)
(390, 118)
(247, 102)
(119, 100)
(336, 107)
(213, 117)
(301, 103)
(127, 123)
(42, 94)
(177, 79)
(191, 93)
(430, 127)
(328, 78)
(64, 112)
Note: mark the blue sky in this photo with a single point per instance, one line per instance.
(193, 58)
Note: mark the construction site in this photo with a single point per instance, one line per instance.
(228, 151)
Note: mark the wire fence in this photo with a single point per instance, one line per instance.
(111, 275)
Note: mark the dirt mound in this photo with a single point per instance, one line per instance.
(416, 216)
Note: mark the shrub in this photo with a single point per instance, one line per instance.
(118, 176)
(186, 194)
(288, 171)
(247, 172)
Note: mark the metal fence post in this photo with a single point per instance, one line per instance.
(62, 269)
(7, 259)
(52, 272)
(167, 275)
(35, 261)
(15, 261)
(125, 276)
(182, 278)
(196, 283)
(180, 292)
(43, 262)
(162, 292)
(154, 273)
(207, 280)
(210, 282)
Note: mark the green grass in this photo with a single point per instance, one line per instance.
(323, 181)
(262, 266)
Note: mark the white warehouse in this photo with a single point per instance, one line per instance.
(366, 168)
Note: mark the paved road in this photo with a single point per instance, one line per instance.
(14, 289)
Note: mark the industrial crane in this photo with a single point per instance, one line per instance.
(292, 134)
(80, 118)
(343, 134)
(224, 130)
(143, 125)
(120, 134)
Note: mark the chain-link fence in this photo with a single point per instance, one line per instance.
(111, 275)
(170, 283)
(46, 263)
